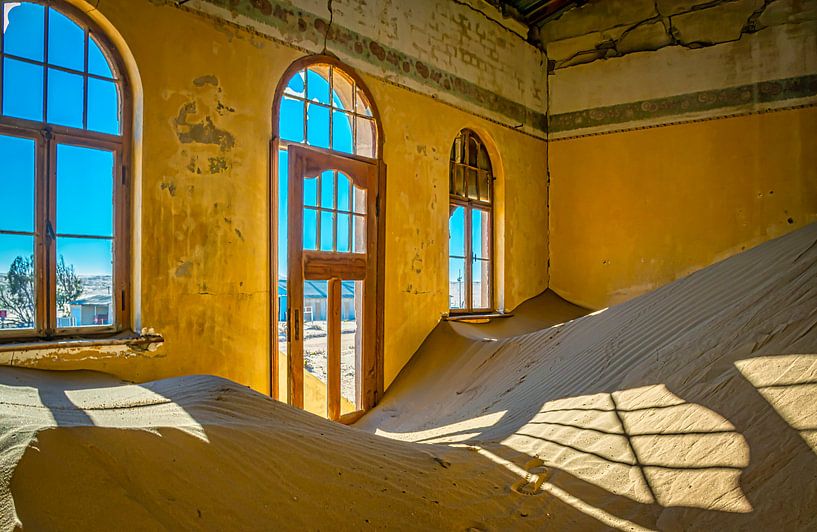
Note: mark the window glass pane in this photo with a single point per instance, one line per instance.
(291, 120)
(480, 234)
(459, 181)
(23, 27)
(283, 248)
(456, 231)
(471, 178)
(84, 282)
(295, 87)
(359, 233)
(473, 151)
(365, 137)
(485, 186)
(327, 231)
(311, 191)
(65, 93)
(343, 90)
(359, 200)
(22, 90)
(16, 185)
(342, 132)
(84, 191)
(315, 347)
(343, 192)
(484, 162)
(66, 42)
(481, 283)
(456, 283)
(17, 295)
(328, 189)
(351, 343)
(283, 214)
(343, 233)
(317, 84)
(317, 126)
(362, 104)
(97, 62)
(310, 229)
(103, 106)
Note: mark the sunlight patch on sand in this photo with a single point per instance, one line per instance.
(453, 433)
(646, 444)
(789, 384)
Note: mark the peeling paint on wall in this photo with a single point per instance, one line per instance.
(202, 131)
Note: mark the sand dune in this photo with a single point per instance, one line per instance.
(693, 407)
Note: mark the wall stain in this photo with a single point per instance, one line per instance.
(202, 131)
(170, 187)
(209, 79)
(218, 165)
(183, 270)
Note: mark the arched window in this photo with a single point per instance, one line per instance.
(470, 221)
(63, 198)
(327, 144)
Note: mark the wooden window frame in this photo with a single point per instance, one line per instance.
(47, 137)
(277, 143)
(469, 205)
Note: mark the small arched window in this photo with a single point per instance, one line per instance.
(63, 199)
(470, 222)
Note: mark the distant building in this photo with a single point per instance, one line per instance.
(315, 300)
(91, 310)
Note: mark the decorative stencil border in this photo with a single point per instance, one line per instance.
(685, 104)
(303, 26)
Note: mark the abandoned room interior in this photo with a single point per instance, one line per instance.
(408, 265)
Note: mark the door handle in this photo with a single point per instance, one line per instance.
(297, 328)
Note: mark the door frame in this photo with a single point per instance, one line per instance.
(371, 398)
(304, 265)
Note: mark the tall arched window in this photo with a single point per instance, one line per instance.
(63, 196)
(470, 221)
(327, 146)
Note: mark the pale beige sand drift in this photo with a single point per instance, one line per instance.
(693, 407)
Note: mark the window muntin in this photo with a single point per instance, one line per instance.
(63, 245)
(470, 225)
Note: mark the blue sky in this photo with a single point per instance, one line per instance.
(84, 175)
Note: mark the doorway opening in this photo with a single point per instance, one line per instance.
(328, 184)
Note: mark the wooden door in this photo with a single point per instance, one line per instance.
(338, 264)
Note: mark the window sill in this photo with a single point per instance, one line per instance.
(476, 318)
(127, 344)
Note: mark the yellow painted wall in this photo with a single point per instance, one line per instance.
(632, 211)
(417, 153)
(204, 210)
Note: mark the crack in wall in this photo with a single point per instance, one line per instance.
(696, 26)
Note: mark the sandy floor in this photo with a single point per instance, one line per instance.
(315, 348)
(691, 408)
